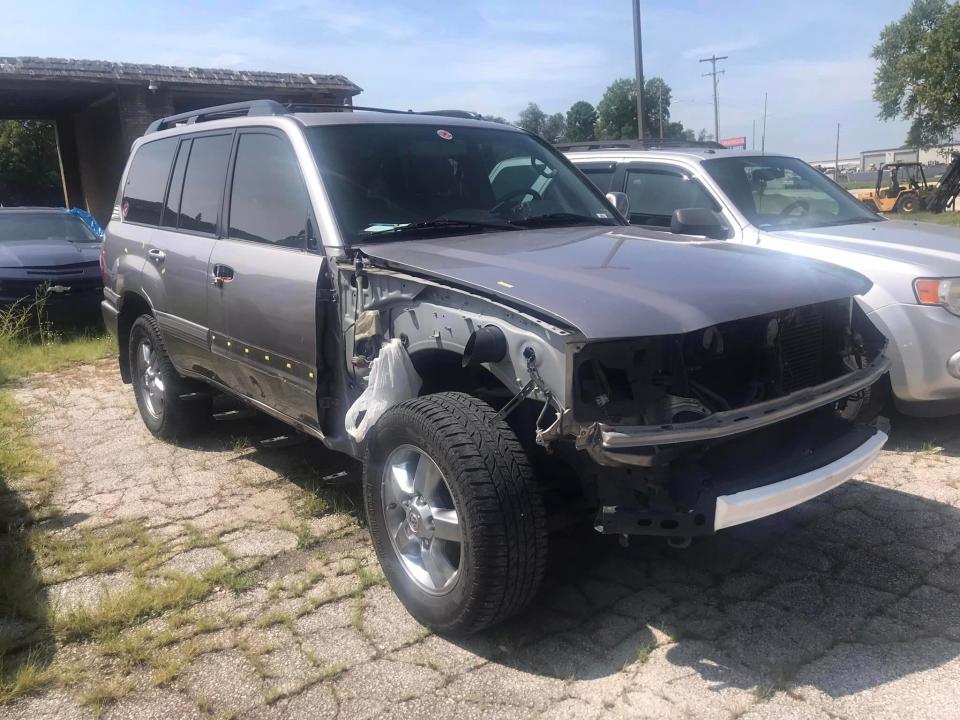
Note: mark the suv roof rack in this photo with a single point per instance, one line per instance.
(249, 108)
(254, 108)
(646, 144)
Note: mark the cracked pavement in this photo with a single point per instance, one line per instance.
(846, 607)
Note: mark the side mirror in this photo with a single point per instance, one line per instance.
(621, 202)
(698, 221)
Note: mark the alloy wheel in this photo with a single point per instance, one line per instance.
(421, 519)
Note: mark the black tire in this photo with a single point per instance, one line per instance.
(499, 507)
(871, 404)
(172, 417)
(908, 203)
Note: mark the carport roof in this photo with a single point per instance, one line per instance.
(102, 71)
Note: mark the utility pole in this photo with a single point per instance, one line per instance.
(638, 50)
(836, 158)
(660, 95)
(763, 138)
(714, 73)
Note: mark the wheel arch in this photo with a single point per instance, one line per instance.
(132, 305)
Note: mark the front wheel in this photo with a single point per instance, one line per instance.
(455, 514)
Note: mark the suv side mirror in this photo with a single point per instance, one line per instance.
(698, 221)
(621, 202)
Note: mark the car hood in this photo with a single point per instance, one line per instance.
(622, 282)
(933, 249)
(46, 253)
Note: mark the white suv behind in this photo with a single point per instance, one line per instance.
(782, 203)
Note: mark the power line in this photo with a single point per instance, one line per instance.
(714, 73)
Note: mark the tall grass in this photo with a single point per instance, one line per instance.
(29, 342)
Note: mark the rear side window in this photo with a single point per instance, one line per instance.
(147, 181)
(268, 200)
(601, 176)
(654, 195)
(203, 183)
(172, 209)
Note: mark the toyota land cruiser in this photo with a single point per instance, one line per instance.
(687, 385)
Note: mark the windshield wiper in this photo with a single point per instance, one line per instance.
(561, 218)
(440, 223)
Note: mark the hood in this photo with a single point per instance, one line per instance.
(930, 249)
(623, 281)
(47, 253)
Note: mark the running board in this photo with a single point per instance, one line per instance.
(281, 441)
(235, 415)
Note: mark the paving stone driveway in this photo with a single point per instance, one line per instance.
(846, 607)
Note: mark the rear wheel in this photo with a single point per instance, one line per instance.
(455, 514)
(907, 203)
(158, 387)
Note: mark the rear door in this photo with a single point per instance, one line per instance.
(263, 308)
(180, 248)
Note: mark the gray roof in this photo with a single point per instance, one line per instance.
(35, 68)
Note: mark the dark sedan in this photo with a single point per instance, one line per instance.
(49, 252)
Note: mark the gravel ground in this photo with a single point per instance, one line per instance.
(846, 607)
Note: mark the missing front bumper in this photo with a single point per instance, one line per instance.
(728, 504)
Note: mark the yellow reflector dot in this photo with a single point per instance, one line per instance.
(246, 350)
(266, 357)
(289, 366)
(229, 344)
(311, 374)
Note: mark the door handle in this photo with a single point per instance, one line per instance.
(156, 254)
(221, 274)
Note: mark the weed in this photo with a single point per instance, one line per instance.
(331, 672)
(105, 692)
(275, 617)
(643, 652)
(359, 605)
(29, 676)
(119, 610)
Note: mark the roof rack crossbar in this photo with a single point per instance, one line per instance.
(646, 144)
(251, 108)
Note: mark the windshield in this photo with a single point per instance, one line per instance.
(44, 226)
(781, 193)
(391, 182)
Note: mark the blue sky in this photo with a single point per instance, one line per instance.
(494, 56)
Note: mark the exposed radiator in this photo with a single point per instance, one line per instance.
(801, 348)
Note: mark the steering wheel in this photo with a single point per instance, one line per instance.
(541, 168)
(515, 193)
(802, 205)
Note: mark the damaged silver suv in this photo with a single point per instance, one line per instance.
(500, 340)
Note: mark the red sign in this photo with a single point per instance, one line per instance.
(736, 143)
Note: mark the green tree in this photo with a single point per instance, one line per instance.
(554, 127)
(532, 119)
(29, 165)
(617, 111)
(581, 120)
(656, 105)
(916, 76)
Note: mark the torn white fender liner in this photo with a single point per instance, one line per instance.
(392, 379)
(766, 500)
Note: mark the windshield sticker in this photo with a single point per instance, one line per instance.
(383, 227)
(444, 135)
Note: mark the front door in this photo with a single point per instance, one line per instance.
(264, 277)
